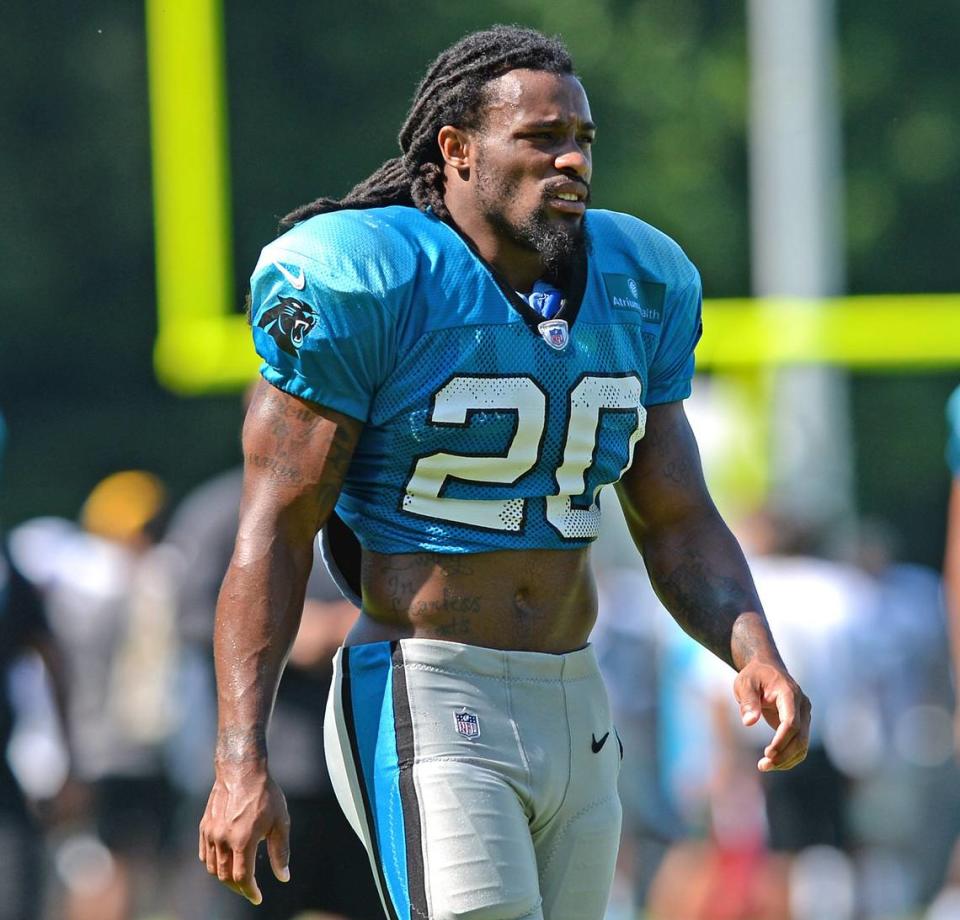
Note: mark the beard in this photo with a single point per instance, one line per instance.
(561, 244)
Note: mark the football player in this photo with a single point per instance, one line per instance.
(458, 357)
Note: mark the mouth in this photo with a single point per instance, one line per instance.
(300, 329)
(568, 198)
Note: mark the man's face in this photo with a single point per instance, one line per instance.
(532, 166)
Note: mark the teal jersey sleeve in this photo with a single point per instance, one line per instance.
(671, 371)
(953, 432)
(322, 320)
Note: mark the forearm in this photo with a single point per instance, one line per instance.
(296, 456)
(258, 613)
(700, 574)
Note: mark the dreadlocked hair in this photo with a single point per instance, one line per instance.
(451, 93)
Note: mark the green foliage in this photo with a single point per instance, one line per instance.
(902, 145)
(317, 94)
(666, 81)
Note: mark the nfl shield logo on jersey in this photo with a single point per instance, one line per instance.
(467, 724)
(555, 333)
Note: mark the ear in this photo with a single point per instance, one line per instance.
(456, 147)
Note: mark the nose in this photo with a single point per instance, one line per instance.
(573, 159)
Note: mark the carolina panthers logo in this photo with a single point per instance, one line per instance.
(288, 323)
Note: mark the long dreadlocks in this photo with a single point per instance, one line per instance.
(451, 93)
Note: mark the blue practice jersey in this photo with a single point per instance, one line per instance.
(486, 426)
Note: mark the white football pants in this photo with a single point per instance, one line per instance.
(483, 783)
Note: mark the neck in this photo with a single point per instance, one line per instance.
(520, 266)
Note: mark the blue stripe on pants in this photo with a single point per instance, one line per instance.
(371, 689)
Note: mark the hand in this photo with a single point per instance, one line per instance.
(766, 689)
(245, 806)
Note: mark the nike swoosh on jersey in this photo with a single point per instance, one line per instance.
(298, 281)
(597, 745)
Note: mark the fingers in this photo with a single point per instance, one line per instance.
(224, 860)
(234, 866)
(244, 880)
(278, 849)
(786, 727)
(788, 747)
(237, 817)
(791, 752)
(784, 751)
(210, 858)
(748, 696)
(749, 713)
(770, 692)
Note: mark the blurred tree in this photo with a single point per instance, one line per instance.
(317, 95)
(902, 137)
(322, 103)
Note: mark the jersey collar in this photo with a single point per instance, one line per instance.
(573, 291)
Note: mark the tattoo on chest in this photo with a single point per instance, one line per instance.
(452, 564)
(458, 625)
(451, 602)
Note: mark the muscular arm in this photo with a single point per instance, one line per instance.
(695, 564)
(296, 455)
(699, 572)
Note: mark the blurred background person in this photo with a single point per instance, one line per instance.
(109, 592)
(896, 740)
(24, 630)
(630, 638)
(329, 869)
(757, 826)
(863, 827)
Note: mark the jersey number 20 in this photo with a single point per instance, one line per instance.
(456, 401)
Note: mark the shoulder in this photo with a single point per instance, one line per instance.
(374, 250)
(653, 252)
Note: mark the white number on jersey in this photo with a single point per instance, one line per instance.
(453, 404)
(591, 397)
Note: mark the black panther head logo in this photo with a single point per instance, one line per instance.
(288, 323)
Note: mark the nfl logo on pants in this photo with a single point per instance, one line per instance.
(467, 724)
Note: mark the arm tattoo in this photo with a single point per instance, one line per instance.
(238, 744)
(279, 469)
(707, 604)
(695, 564)
(678, 470)
(288, 454)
